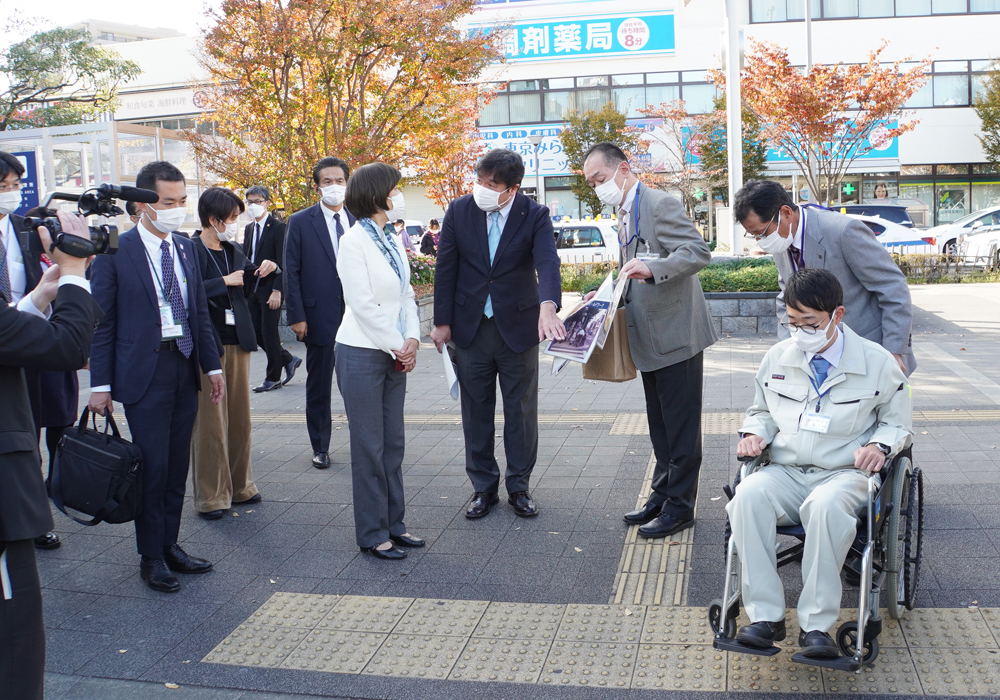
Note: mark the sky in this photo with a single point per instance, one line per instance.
(183, 15)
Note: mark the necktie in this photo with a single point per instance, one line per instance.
(184, 343)
(254, 241)
(820, 367)
(340, 228)
(494, 240)
(5, 293)
(796, 260)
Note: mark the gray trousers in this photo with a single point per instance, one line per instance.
(825, 502)
(373, 393)
(477, 367)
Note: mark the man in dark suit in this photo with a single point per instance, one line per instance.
(314, 298)
(62, 343)
(488, 300)
(147, 352)
(264, 239)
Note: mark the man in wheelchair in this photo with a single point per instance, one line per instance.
(832, 406)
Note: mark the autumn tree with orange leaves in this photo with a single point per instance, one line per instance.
(837, 113)
(365, 80)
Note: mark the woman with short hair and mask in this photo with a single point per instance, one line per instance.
(220, 443)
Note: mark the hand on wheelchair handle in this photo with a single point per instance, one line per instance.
(749, 447)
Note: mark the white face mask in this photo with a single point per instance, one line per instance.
(815, 342)
(774, 243)
(168, 220)
(398, 207)
(256, 210)
(610, 193)
(333, 195)
(229, 233)
(487, 199)
(9, 202)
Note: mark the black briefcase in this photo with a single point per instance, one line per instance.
(97, 474)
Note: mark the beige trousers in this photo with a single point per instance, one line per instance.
(825, 502)
(220, 443)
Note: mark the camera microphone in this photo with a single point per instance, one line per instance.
(129, 194)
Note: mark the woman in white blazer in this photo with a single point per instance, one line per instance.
(376, 346)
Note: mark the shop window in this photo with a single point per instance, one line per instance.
(657, 94)
(630, 101)
(985, 195)
(876, 8)
(917, 169)
(984, 5)
(653, 78)
(951, 90)
(951, 201)
(631, 79)
(913, 8)
(953, 169)
(588, 100)
(525, 109)
(557, 106)
(557, 83)
(949, 7)
(699, 99)
(495, 113)
(834, 9)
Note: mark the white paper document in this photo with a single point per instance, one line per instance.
(450, 376)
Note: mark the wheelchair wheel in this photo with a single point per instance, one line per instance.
(715, 618)
(913, 539)
(847, 640)
(894, 539)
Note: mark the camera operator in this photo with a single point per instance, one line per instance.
(33, 336)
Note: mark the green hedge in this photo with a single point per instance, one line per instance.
(745, 275)
(582, 277)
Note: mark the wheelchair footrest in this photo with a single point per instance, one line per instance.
(725, 644)
(841, 663)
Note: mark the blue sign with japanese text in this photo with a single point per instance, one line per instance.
(29, 182)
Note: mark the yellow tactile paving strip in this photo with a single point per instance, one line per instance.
(930, 652)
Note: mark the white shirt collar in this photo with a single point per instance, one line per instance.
(832, 354)
(629, 198)
(153, 242)
(797, 239)
(263, 222)
(328, 213)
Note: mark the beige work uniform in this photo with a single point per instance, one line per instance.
(812, 480)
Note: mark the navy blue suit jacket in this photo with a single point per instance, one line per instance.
(127, 341)
(313, 292)
(464, 277)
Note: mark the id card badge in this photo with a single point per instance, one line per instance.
(170, 330)
(230, 317)
(815, 422)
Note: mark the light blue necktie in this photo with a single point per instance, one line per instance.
(494, 238)
(820, 367)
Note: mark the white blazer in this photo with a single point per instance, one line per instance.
(372, 295)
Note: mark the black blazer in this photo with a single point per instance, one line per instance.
(270, 247)
(217, 292)
(60, 344)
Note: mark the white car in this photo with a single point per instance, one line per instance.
(948, 235)
(586, 241)
(893, 235)
(979, 247)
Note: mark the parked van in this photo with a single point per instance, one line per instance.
(587, 241)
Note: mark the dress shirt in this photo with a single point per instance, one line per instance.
(331, 225)
(504, 212)
(15, 261)
(26, 305)
(257, 232)
(624, 214)
(797, 239)
(832, 354)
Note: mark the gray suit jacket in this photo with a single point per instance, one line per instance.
(668, 318)
(876, 295)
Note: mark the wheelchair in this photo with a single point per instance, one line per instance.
(884, 560)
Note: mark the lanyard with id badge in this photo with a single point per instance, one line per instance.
(170, 329)
(230, 314)
(814, 421)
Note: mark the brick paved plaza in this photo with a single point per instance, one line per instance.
(535, 608)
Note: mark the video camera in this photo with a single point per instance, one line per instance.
(99, 201)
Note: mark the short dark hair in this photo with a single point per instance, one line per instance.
(502, 165)
(156, 171)
(762, 197)
(434, 222)
(219, 202)
(369, 187)
(814, 288)
(10, 164)
(400, 221)
(260, 191)
(613, 155)
(131, 209)
(330, 162)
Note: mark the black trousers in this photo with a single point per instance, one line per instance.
(478, 366)
(161, 423)
(320, 362)
(22, 629)
(265, 323)
(673, 407)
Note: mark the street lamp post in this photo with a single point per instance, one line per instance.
(536, 141)
(734, 112)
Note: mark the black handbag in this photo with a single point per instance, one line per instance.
(97, 474)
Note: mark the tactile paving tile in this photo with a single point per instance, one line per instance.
(584, 663)
(947, 628)
(630, 424)
(520, 621)
(256, 645)
(680, 667)
(294, 610)
(992, 617)
(958, 671)
(334, 651)
(891, 674)
(772, 674)
(502, 660)
(416, 656)
(602, 623)
(669, 625)
(451, 617)
(365, 614)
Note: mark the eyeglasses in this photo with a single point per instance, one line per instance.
(10, 187)
(808, 329)
(758, 236)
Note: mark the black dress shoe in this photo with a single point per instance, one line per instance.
(391, 553)
(761, 635)
(291, 367)
(183, 563)
(268, 385)
(157, 576)
(664, 524)
(212, 514)
(481, 504)
(405, 540)
(643, 515)
(49, 540)
(256, 498)
(321, 460)
(523, 505)
(818, 645)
